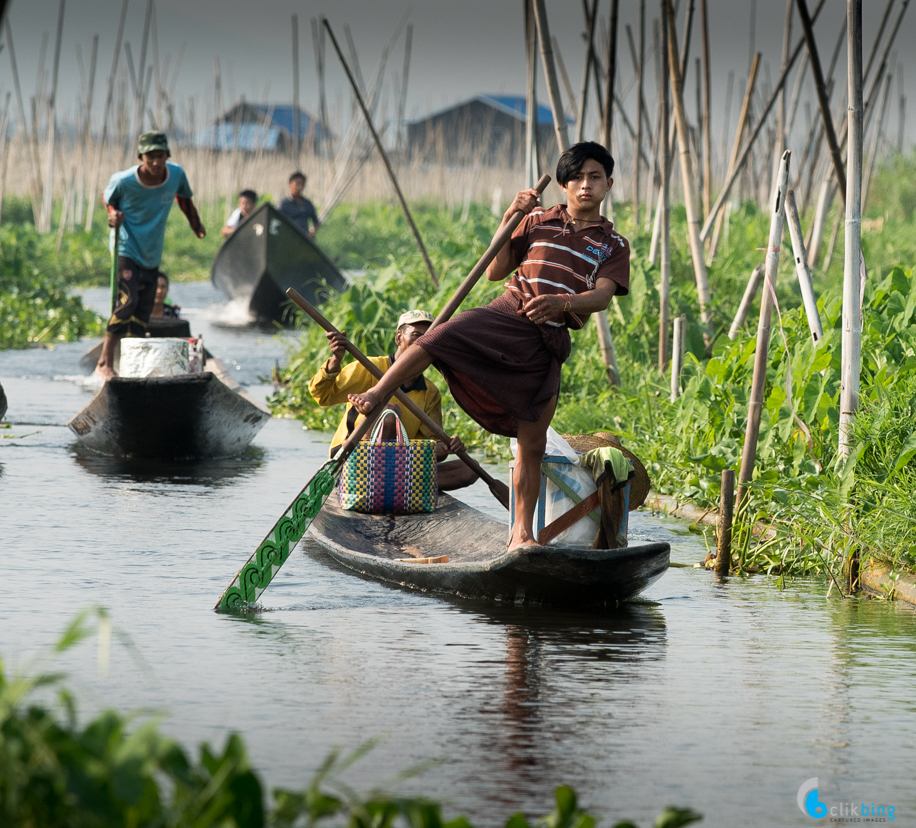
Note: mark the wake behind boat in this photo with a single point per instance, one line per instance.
(266, 255)
(408, 550)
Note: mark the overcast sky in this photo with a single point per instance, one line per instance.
(460, 48)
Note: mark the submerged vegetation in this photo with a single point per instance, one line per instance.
(121, 770)
(799, 487)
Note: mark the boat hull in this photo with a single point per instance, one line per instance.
(266, 255)
(172, 418)
(479, 567)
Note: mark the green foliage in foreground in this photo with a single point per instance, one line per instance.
(798, 486)
(122, 771)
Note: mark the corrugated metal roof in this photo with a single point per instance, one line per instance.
(514, 105)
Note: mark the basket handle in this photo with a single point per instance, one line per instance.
(376, 436)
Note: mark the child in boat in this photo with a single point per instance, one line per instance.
(162, 307)
(332, 385)
(297, 208)
(502, 362)
(247, 201)
(139, 200)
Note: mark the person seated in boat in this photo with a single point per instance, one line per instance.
(139, 200)
(163, 307)
(333, 383)
(247, 201)
(297, 208)
(502, 362)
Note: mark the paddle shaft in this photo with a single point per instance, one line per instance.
(114, 269)
(402, 398)
(502, 236)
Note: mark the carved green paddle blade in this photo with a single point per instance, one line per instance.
(263, 565)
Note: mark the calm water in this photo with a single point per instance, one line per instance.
(721, 696)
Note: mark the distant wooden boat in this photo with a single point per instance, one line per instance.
(266, 255)
(404, 550)
(182, 417)
(2, 402)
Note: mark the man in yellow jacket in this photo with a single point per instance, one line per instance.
(332, 384)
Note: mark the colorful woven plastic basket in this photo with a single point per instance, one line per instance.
(397, 476)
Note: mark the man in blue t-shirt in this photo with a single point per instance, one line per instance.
(139, 201)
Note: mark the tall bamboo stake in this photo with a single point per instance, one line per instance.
(901, 115)
(561, 68)
(610, 79)
(383, 154)
(802, 270)
(103, 132)
(678, 351)
(691, 196)
(21, 127)
(297, 134)
(726, 187)
(755, 403)
(877, 40)
(736, 147)
(48, 201)
(531, 99)
(782, 135)
(707, 106)
(822, 98)
(664, 214)
(753, 284)
(402, 102)
(591, 15)
(876, 141)
(639, 111)
(553, 88)
(853, 263)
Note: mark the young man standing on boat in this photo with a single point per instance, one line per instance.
(298, 209)
(139, 200)
(502, 362)
(333, 384)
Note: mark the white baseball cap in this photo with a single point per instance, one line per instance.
(411, 317)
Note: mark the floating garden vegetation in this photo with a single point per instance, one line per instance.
(799, 487)
(121, 770)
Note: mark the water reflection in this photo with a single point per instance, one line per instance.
(212, 472)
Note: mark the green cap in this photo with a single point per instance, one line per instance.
(152, 142)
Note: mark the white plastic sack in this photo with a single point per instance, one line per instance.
(154, 357)
(556, 447)
(557, 503)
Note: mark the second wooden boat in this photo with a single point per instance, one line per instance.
(408, 550)
(266, 255)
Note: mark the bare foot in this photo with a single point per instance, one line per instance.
(105, 371)
(363, 403)
(521, 538)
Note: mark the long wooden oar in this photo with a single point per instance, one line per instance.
(498, 489)
(257, 573)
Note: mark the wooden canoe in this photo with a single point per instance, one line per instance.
(390, 548)
(183, 417)
(266, 255)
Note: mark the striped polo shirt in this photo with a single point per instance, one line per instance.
(554, 257)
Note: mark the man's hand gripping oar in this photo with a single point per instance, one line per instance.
(499, 489)
(257, 573)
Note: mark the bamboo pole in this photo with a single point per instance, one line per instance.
(49, 181)
(802, 270)
(664, 196)
(590, 17)
(297, 126)
(561, 68)
(384, 155)
(781, 134)
(22, 126)
(743, 120)
(103, 132)
(877, 40)
(691, 196)
(707, 101)
(726, 518)
(402, 102)
(753, 284)
(822, 97)
(726, 187)
(639, 111)
(550, 74)
(610, 78)
(901, 113)
(853, 262)
(678, 352)
(755, 403)
(4, 155)
(531, 99)
(876, 142)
